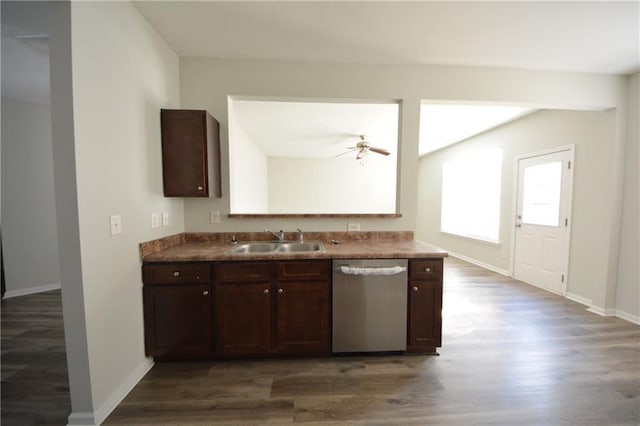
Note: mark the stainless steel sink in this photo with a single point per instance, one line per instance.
(278, 247)
(300, 247)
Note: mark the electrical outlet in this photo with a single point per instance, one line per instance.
(155, 220)
(165, 219)
(353, 227)
(116, 224)
(214, 216)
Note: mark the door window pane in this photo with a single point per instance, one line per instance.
(541, 194)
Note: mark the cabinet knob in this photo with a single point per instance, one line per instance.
(176, 273)
(280, 291)
(200, 188)
(265, 291)
(427, 269)
(415, 288)
(206, 292)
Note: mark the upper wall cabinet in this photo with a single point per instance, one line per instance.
(190, 153)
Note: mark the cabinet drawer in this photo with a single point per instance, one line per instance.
(242, 272)
(425, 269)
(303, 271)
(176, 273)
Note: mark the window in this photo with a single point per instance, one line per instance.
(471, 195)
(541, 204)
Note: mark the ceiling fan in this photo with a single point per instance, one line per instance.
(362, 148)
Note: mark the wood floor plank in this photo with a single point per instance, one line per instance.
(35, 383)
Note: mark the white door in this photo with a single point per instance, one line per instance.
(542, 219)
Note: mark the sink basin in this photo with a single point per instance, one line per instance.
(254, 248)
(278, 247)
(300, 247)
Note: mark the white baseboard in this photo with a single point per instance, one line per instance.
(116, 398)
(81, 419)
(101, 414)
(579, 299)
(602, 311)
(31, 290)
(628, 317)
(479, 263)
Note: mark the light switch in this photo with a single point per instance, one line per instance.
(155, 220)
(214, 216)
(116, 224)
(353, 227)
(165, 219)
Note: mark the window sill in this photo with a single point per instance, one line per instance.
(476, 239)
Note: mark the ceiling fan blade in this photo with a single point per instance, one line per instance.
(379, 150)
(344, 153)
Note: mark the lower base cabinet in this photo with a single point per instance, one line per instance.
(272, 309)
(178, 321)
(262, 309)
(424, 309)
(303, 318)
(243, 319)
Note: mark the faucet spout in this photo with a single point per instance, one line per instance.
(279, 235)
(300, 236)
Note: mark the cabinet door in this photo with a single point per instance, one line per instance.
(424, 321)
(190, 154)
(178, 321)
(303, 318)
(243, 319)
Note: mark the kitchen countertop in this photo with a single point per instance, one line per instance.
(200, 247)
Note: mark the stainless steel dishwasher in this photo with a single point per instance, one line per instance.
(369, 305)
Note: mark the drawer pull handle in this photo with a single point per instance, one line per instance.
(280, 291)
(199, 188)
(427, 269)
(265, 291)
(415, 288)
(204, 293)
(176, 273)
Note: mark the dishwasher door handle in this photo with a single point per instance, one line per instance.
(380, 270)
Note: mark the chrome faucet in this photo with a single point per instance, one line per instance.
(300, 236)
(279, 235)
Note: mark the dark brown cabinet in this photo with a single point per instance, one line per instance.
(424, 310)
(243, 308)
(190, 154)
(177, 311)
(302, 306)
(272, 308)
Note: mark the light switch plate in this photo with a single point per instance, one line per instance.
(353, 227)
(155, 220)
(165, 219)
(116, 224)
(214, 216)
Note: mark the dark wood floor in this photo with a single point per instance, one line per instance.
(35, 384)
(512, 355)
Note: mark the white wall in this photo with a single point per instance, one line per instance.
(29, 234)
(206, 83)
(592, 133)
(123, 73)
(628, 288)
(249, 193)
(330, 185)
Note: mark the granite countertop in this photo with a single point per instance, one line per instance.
(199, 247)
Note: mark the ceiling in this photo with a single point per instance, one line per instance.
(442, 125)
(586, 36)
(25, 61)
(316, 129)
